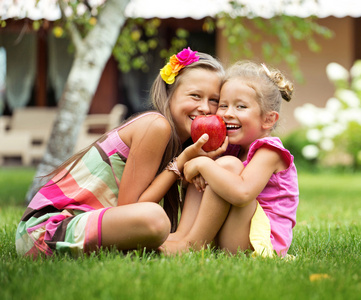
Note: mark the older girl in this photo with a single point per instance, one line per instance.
(106, 195)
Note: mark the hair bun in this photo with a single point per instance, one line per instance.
(284, 86)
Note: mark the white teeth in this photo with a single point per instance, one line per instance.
(233, 126)
(192, 117)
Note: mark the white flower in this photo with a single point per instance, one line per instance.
(325, 117)
(314, 135)
(81, 9)
(356, 69)
(336, 72)
(356, 84)
(332, 130)
(349, 97)
(348, 115)
(333, 105)
(307, 115)
(327, 144)
(310, 151)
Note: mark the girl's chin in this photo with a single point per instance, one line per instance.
(233, 139)
(232, 133)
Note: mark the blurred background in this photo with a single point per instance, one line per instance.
(316, 43)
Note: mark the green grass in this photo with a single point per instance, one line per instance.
(327, 240)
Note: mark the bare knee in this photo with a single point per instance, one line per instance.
(156, 222)
(231, 163)
(135, 225)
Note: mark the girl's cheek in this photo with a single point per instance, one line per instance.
(212, 107)
(213, 110)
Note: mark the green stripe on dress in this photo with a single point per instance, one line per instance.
(95, 164)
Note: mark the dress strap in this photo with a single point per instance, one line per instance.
(138, 117)
(114, 143)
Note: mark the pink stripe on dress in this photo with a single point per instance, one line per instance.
(56, 195)
(100, 219)
(93, 231)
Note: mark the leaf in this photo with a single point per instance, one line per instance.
(319, 276)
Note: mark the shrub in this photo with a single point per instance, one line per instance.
(333, 132)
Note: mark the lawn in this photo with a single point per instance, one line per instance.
(326, 246)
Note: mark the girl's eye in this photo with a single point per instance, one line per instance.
(222, 106)
(214, 101)
(195, 96)
(241, 106)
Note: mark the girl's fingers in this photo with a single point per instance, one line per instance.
(202, 140)
(220, 150)
(199, 183)
(195, 182)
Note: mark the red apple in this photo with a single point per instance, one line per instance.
(214, 126)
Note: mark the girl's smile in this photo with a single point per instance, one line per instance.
(241, 112)
(232, 127)
(197, 94)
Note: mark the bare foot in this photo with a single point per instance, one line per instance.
(170, 248)
(173, 237)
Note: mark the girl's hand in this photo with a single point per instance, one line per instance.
(199, 183)
(196, 150)
(219, 151)
(191, 171)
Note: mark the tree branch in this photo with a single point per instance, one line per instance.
(72, 30)
(113, 12)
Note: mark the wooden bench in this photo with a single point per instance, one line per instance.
(96, 124)
(14, 145)
(26, 133)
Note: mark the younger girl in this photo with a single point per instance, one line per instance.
(249, 202)
(106, 195)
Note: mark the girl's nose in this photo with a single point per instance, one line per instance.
(204, 107)
(228, 113)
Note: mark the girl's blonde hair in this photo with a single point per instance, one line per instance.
(161, 95)
(271, 86)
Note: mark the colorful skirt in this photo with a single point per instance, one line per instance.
(72, 232)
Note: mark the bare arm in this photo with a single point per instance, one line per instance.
(148, 138)
(162, 183)
(237, 189)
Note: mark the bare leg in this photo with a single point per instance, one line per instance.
(212, 214)
(190, 210)
(234, 234)
(135, 225)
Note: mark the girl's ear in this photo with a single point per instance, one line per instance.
(270, 120)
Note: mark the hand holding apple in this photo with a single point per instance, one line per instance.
(214, 126)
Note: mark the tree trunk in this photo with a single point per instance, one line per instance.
(91, 55)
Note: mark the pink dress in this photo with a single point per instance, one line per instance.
(279, 199)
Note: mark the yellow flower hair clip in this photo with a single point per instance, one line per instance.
(176, 63)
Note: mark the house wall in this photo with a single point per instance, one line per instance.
(106, 95)
(342, 48)
(316, 88)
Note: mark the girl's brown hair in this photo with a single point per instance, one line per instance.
(160, 96)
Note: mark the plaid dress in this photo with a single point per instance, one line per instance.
(65, 216)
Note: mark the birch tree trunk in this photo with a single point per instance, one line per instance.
(91, 55)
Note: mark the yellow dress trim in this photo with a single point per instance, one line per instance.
(260, 234)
